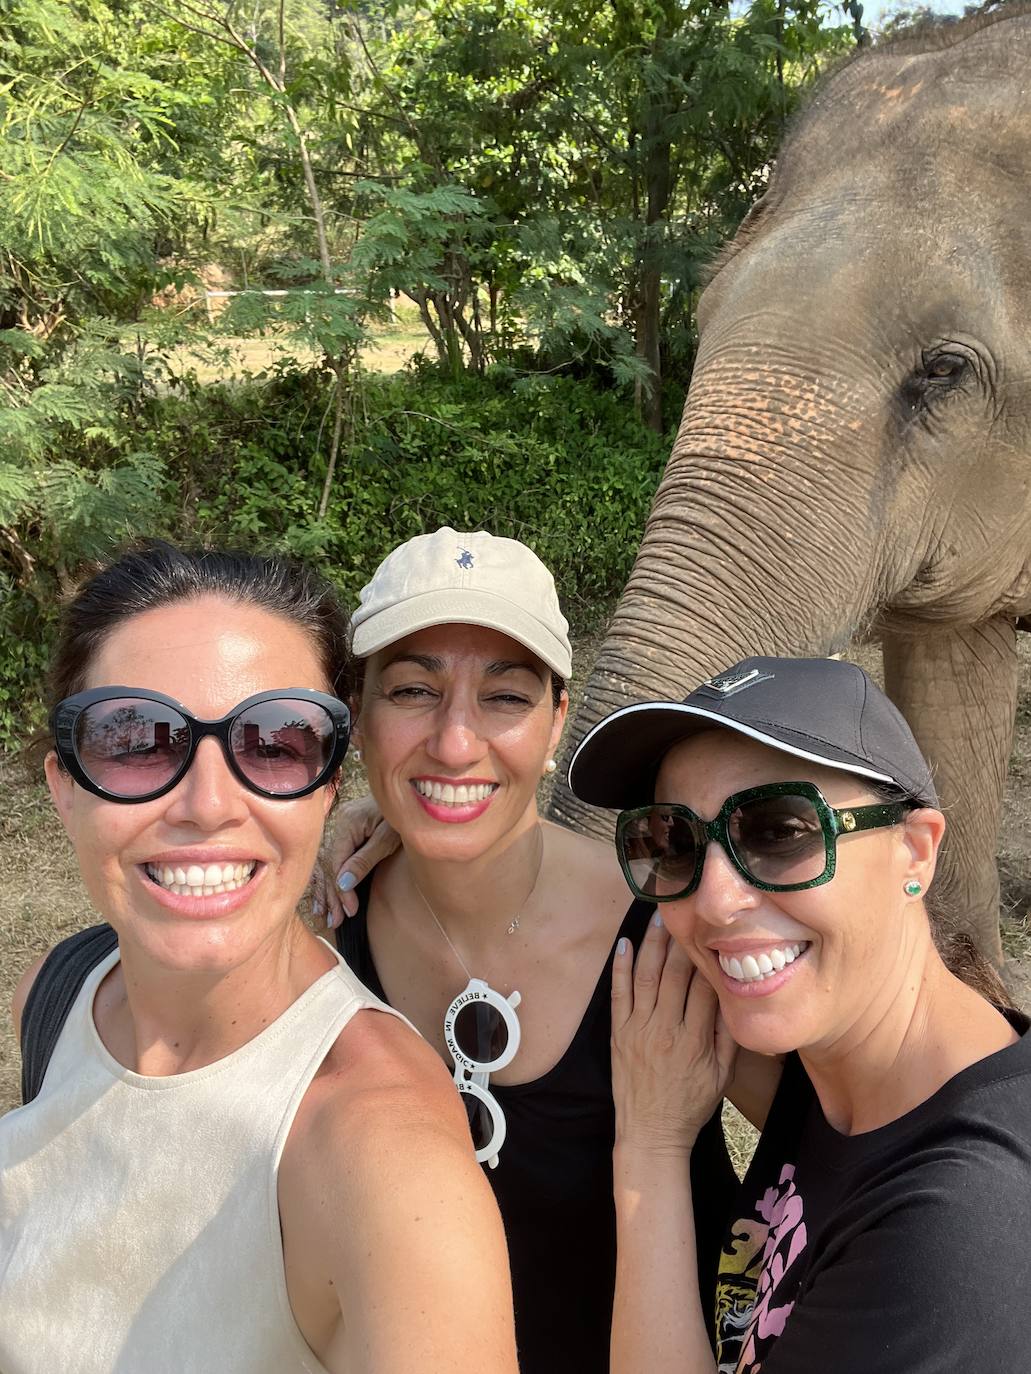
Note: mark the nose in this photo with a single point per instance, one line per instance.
(456, 741)
(722, 893)
(210, 796)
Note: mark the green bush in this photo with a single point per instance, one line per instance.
(559, 464)
(556, 462)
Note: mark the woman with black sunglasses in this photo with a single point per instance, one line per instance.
(786, 822)
(492, 930)
(164, 1197)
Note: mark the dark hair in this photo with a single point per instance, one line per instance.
(959, 953)
(153, 573)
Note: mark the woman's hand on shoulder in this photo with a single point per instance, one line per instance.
(357, 840)
(385, 1187)
(672, 1054)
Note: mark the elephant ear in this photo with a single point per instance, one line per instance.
(756, 212)
(746, 231)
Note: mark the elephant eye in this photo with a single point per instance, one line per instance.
(939, 372)
(945, 369)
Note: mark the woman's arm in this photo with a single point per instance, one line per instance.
(357, 839)
(392, 1237)
(671, 1058)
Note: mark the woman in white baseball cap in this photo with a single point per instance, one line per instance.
(493, 930)
(785, 820)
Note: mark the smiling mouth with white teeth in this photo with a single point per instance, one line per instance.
(201, 880)
(444, 794)
(751, 968)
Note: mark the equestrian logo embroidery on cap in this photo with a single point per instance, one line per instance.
(466, 560)
(726, 685)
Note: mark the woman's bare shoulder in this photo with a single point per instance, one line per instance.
(380, 1072)
(379, 1177)
(586, 855)
(21, 992)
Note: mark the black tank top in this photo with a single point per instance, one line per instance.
(553, 1182)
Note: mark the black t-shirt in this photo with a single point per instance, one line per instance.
(553, 1182)
(903, 1250)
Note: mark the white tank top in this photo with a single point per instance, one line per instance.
(139, 1224)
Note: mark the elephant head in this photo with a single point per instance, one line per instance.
(855, 450)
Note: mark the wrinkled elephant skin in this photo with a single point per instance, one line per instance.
(855, 451)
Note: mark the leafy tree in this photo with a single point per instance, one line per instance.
(88, 204)
(544, 181)
(610, 146)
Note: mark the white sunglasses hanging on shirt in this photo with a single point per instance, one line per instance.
(481, 1031)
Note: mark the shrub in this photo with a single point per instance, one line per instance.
(560, 464)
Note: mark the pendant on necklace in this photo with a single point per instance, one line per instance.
(514, 926)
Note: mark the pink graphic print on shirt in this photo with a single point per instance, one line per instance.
(781, 1208)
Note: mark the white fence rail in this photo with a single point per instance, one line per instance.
(210, 296)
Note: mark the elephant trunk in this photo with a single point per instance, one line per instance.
(748, 550)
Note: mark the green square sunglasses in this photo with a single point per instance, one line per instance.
(781, 837)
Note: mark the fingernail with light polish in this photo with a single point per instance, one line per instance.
(622, 945)
(347, 882)
(657, 919)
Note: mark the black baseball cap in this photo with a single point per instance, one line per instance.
(822, 710)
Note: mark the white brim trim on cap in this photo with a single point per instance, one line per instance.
(461, 606)
(678, 708)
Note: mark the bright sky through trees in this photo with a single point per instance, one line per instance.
(876, 10)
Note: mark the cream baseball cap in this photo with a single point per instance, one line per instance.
(451, 578)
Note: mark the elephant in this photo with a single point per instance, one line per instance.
(854, 457)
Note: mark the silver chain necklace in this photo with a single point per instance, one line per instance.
(513, 925)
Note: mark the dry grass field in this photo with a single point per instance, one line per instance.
(233, 359)
(45, 899)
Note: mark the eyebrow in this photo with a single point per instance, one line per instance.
(427, 661)
(509, 665)
(432, 664)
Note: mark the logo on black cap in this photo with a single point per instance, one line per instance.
(727, 684)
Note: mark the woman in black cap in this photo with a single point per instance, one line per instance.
(786, 821)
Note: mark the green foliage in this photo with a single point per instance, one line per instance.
(545, 181)
(23, 662)
(525, 458)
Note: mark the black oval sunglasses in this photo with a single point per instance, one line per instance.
(128, 744)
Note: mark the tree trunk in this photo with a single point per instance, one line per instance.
(420, 299)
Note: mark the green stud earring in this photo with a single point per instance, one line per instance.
(912, 888)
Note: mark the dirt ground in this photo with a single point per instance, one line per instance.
(45, 899)
(234, 359)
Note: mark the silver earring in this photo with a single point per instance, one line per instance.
(912, 888)
(357, 755)
(550, 766)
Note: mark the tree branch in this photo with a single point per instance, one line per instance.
(281, 26)
(233, 39)
(87, 101)
(409, 123)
